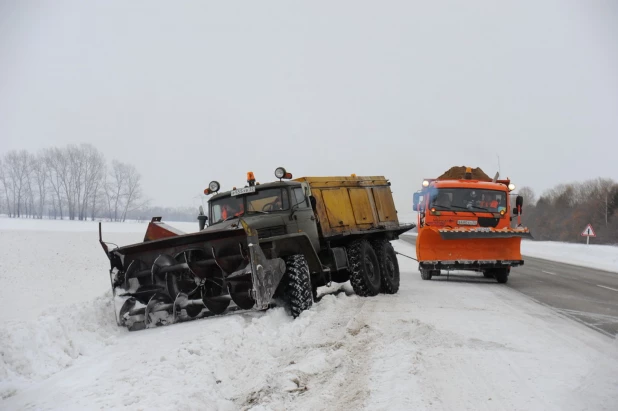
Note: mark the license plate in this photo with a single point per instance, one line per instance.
(244, 190)
(466, 222)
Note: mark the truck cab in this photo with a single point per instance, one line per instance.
(273, 209)
(466, 224)
(467, 203)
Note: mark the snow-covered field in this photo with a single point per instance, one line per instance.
(434, 345)
(602, 257)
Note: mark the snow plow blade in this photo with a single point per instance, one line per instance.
(173, 277)
(469, 248)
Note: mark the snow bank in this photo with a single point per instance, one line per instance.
(86, 226)
(602, 257)
(34, 350)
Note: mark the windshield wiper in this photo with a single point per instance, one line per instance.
(234, 216)
(461, 208)
(481, 208)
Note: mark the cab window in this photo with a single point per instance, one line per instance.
(272, 199)
(299, 197)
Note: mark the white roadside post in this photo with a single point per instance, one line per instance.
(588, 232)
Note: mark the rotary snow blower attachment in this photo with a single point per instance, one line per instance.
(172, 276)
(465, 223)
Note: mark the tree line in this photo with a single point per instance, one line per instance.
(562, 213)
(73, 182)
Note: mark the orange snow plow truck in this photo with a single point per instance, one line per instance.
(465, 223)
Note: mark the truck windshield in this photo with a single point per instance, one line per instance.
(458, 199)
(272, 199)
(226, 207)
(262, 201)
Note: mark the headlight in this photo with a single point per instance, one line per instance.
(214, 186)
(511, 187)
(280, 172)
(425, 183)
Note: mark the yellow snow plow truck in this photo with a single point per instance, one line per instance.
(278, 240)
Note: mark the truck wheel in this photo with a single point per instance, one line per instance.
(364, 269)
(426, 274)
(297, 284)
(389, 267)
(501, 275)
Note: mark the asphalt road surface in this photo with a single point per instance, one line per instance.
(584, 294)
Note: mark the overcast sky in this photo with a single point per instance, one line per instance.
(194, 91)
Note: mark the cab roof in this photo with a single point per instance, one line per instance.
(258, 187)
(501, 185)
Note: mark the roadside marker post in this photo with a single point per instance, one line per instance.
(588, 232)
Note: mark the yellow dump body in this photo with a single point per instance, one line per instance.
(352, 205)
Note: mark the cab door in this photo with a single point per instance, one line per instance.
(303, 216)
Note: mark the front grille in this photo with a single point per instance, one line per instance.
(271, 231)
(488, 221)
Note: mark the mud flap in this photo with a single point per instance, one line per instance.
(265, 274)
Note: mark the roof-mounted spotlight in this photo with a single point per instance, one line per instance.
(281, 173)
(213, 187)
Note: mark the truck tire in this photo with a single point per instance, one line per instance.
(426, 274)
(389, 267)
(501, 275)
(297, 291)
(364, 269)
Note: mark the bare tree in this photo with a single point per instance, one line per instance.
(74, 178)
(529, 197)
(6, 186)
(40, 175)
(91, 177)
(605, 189)
(29, 189)
(18, 175)
(114, 187)
(133, 191)
(55, 164)
(123, 191)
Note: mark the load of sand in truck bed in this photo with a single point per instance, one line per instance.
(457, 173)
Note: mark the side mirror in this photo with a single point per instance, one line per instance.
(515, 211)
(415, 207)
(415, 198)
(519, 201)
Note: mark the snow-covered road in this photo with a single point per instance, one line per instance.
(434, 345)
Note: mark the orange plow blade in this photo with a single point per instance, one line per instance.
(469, 246)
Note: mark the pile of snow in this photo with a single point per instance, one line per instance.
(602, 257)
(34, 350)
(55, 262)
(86, 226)
(434, 345)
